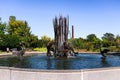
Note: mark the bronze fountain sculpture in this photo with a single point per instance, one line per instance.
(62, 47)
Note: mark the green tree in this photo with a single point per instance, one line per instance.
(118, 41)
(9, 41)
(3, 27)
(33, 40)
(76, 43)
(12, 18)
(92, 38)
(93, 42)
(79, 43)
(44, 40)
(20, 29)
(108, 39)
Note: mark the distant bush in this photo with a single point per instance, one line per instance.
(40, 49)
(113, 48)
(1, 52)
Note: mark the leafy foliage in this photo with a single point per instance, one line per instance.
(40, 49)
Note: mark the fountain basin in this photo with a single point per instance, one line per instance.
(15, 72)
(82, 61)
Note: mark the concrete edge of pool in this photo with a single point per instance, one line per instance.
(11, 73)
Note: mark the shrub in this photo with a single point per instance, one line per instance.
(113, 48)
(40, 49)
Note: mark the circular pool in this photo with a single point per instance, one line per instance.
(82, 61)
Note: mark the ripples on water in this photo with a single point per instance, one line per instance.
(82, 61)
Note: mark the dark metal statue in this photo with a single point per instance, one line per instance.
(19, 53)
(104, 51)
(68, 49)
(61, 46)
(50, 49)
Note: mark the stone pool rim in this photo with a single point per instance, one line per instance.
(54, 70)
(11, 73)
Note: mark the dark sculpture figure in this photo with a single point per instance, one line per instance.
(61, 46)
(67, 49)
(104, 51)
(50, 49)
(19, 53)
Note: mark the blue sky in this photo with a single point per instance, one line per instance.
(87, 16)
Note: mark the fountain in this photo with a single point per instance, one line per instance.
(60, 50)
(61, 46)
(61, 66)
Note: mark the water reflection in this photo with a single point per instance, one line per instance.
(62, 64)
(53, 63)
(82, 61)
(104, 62)
(49, 63)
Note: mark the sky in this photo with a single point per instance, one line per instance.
(88, 16)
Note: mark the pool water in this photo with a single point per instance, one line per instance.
(82, 61)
